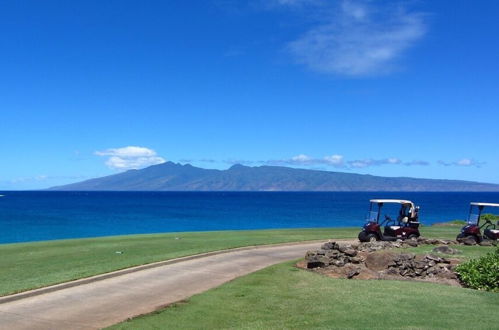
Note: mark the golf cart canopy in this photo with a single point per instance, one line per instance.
(485, 204)
(404, 203)
(397, 201)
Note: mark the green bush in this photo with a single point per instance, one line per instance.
(457, 222)
(481, 273)
(489, 216)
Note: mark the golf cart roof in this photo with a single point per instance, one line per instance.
(484, 204)
(397, 201)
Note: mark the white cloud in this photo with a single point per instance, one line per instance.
(339, 161)
(301, 159)
(466, 162)
(130, 157)
(417, 163)
(373, 162)
(129, 151)
(359, 39)
(335, 160)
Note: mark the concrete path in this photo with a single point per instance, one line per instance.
(110, 300)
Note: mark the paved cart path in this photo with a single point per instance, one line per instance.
(108, 301)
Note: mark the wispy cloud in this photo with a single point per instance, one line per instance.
(360, 38)
(41, 178)
(417, 163)
(466, 162)
(338, 161)
(304, 160)
(373, 162)
(131, 157)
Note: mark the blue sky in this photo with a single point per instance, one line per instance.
(392, 88)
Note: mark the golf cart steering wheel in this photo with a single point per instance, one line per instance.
(388, 220)
(488, 225)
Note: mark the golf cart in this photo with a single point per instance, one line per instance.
(405, 226)
(473, 228)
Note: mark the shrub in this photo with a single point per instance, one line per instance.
(457, 222)
(481, 273)
(488, 216)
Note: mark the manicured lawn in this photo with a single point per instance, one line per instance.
(32, 265)
(468, 252)
(283, 297)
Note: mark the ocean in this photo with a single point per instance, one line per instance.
(41, 215)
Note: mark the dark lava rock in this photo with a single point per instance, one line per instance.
(350, 252)
(353, 272)
(329, 246)
(356, 260)
(412, 242)
(469, 240)
(446, 250)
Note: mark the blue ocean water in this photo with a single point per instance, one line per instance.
(41, 215)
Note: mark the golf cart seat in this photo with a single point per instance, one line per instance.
(391, 230)
(414, 224)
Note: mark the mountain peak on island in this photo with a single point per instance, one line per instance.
(171, 176)
(238, 167)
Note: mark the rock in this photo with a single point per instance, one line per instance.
(328, 246)
(433, 257)
(412, 242)
(379, 260)
(350, 252)
(485, 243)
(338, 263)
(446, 250)
(404, 272)
(406, 256)
(332, 254)
(343, 248)
(356, 260)
(420, 265)
(353, 272)
(468, 240)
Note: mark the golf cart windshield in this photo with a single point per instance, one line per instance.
(372, 216)
(473, 219)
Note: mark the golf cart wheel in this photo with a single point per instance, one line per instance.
(476, 238)
(460, 236)
(371, 238)
(412, 236)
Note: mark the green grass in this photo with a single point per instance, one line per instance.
(468, 252)
(441, 232)
(283, 297)
(32, 265)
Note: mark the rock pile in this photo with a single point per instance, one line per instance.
(470, 240)
(354, 259)
(332, 253)
(380, 245)
(446, 250)
(410, 265)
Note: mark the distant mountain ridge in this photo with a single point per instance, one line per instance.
(176, 177)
